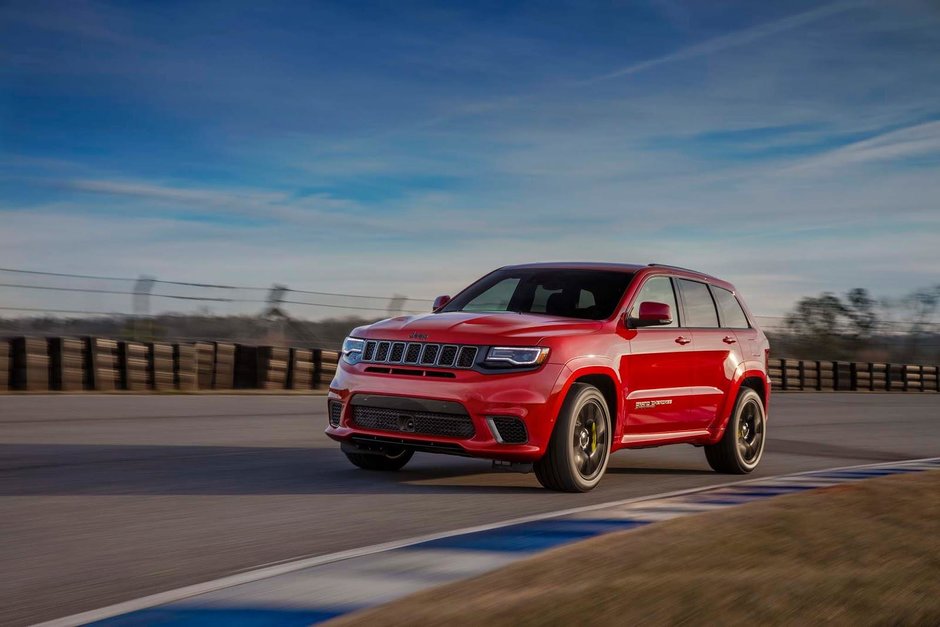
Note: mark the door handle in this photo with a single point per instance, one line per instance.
(683, 340)
(728, 340)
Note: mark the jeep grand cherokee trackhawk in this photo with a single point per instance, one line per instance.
(557, 365)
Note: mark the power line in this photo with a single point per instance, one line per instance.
(193, 298)
(89, 290)
(66, 311)
(71, 276)
(203, 285)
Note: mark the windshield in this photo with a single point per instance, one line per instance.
(586, 294)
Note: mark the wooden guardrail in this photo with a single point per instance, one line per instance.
(852, 376)
(72, 364)
(99, 364)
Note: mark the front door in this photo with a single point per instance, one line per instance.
(656, 372)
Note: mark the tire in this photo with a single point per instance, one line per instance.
(579, 448)
(742, 446)
(373, 461)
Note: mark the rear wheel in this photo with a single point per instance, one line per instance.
(742, 446)
(579, 448)
(394, 460)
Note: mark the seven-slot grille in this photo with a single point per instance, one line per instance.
(420, 354)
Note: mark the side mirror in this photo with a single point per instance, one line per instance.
(652, 314)
(439, 302)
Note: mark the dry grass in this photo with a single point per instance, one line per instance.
(865, 553)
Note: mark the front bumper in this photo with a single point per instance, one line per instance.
(533, 397)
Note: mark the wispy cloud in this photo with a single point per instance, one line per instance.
(175, 194)
(731, 40)
(913, 141)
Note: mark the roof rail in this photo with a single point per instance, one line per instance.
(666, 265)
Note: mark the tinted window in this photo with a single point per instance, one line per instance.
(540, 299)
(571, 293)
(658, 290)
(698, 304)
(495, 298)
(732, 316)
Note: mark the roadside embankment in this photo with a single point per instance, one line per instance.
(867, 552)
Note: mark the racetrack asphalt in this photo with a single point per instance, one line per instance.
(104, 498)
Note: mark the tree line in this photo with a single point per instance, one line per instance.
(856, 326)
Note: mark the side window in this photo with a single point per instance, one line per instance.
(658, 290)
(494, 299)
(732, 316)
(699, 307)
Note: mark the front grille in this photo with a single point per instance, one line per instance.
(466, 356)
(412, 354)
(511, 430)
(429, 356)
(336, 412)
(420, 353)
(417, 422)
(381, 353)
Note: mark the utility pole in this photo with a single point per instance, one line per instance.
(141, 302)
(274, 310)
(396, 305)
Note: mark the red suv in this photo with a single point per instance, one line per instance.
(557, 365)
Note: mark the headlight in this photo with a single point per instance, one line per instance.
(352, 350)
(511, 356)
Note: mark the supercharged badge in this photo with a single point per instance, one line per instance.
(648, 404)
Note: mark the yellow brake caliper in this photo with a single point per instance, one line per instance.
(593, 436)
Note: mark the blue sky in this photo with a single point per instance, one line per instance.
(791, 147)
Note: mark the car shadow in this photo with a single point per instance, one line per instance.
(115, 469)
(612, 470)
(124, 469)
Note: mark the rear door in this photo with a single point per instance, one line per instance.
(715, 354)
(656, 372)
(750, 342)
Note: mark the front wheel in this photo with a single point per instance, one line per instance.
(742, 446)
(580, 444)
(395, 460)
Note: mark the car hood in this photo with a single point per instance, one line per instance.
(461, 327)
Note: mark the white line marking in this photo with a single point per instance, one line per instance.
(185, 592)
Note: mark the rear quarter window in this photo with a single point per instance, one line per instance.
(732, 315)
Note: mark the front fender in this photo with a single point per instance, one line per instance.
(583, 367)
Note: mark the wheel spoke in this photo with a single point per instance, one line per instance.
(578, 457)
(589, 439)
(585, 466)
(595, 458)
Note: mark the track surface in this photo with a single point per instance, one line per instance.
(107, 498)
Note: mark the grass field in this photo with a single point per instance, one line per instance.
(864, 553)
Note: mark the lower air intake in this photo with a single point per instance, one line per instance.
(511, 430)
(417, 422)
(336, 412)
